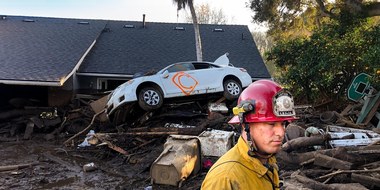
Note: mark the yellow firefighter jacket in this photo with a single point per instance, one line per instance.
(238, 171)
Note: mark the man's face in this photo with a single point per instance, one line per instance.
(268, 136)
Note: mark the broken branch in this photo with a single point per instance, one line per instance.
(112, 146)
(84, 130)
(133, 133)
(349, 171)
(16, 167)
(348, 122)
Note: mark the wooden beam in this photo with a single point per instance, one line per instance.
(363, 179)
(330, 162)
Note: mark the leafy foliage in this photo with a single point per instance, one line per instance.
(286, 19)
(323, 64)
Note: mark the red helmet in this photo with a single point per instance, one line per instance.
(264, 101)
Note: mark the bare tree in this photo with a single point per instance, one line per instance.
(181, 4)
(264, 44)
(208, 15)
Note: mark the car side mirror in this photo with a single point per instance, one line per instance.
(165, 74)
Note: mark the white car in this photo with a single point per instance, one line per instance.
(180, 80)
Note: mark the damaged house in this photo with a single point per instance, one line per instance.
(53, 61)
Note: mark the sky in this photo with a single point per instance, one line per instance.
(132, 10)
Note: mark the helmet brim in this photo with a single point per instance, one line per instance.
(235, 119)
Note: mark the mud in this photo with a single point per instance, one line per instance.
(60, 167)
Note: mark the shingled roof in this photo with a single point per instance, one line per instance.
(47, 51)
(135, 48)
(43, 51)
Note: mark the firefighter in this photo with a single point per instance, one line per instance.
(263, 110)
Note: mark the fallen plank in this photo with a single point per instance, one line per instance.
(133, 133)
(312, 184)
(330, 162)
(293, 160)
(365, 180)
(347, 186)
(348, 122)
(313, 173)
(61, 162)
(352, 142)
(347, 109)
(374, 149)
(372, 164)
(16, 167)
(340, 135)
(334, 128)
(303, 142)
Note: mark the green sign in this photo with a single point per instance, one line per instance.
(357, 87)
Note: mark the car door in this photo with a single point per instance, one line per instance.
(181, 80)
(210, 77)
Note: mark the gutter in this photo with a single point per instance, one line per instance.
(104, 75)
(31, 83)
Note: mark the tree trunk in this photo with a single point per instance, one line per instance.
(198, 43)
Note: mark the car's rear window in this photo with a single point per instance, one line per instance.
(179, 67)
(204, 66)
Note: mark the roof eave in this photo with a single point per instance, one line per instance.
(31, 83)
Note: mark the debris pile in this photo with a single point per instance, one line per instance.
(331, 151)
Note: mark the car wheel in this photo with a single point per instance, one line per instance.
(232, 89)
(150, 98)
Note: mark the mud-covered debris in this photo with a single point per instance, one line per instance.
(89, 167)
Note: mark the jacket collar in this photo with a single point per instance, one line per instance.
(256, 164)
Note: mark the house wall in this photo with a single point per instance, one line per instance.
(63, 95)
(88, 84)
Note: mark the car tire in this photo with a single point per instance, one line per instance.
(150, 98)
(232, 89)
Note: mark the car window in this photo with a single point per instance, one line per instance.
(214, 66)
(202, 66)
(180, 67)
